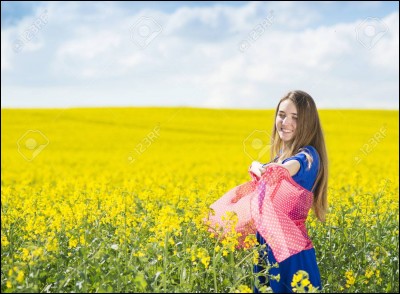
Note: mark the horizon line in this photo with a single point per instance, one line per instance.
(194, 107)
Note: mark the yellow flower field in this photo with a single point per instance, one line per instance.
(112, 199)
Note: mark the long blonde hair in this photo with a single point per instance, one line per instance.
(308, 132)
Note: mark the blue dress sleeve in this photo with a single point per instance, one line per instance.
(308, 172)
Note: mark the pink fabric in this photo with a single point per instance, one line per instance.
(274, 205)
(237, 200)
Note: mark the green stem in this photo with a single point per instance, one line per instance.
(215, 273)
(244, 259)
(214, 264)
(165, 263)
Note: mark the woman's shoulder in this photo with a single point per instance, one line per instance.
(311, 150)
(304, 153)
(307, 156)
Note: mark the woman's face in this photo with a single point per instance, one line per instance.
(286, 120)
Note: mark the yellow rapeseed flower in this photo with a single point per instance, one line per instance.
(20, 276)
(369, 273)
(243, 289)
(350, 279)
(4, 241)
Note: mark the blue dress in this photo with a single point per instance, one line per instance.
(304, 260)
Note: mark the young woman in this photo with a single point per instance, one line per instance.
(298, 146)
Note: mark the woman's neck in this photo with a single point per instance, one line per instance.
(285, 148)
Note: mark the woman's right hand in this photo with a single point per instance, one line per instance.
(256, 168)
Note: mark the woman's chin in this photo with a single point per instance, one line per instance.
(286, 138)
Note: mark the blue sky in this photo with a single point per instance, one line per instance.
(198, 53)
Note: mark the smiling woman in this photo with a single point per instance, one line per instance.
(298, 145)
(276, 203)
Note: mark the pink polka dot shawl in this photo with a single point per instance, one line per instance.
(274, 205)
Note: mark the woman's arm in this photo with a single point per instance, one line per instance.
(293, 166)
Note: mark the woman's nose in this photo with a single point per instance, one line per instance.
(286, 121)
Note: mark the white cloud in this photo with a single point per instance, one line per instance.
(291, 15)
(81, 56)
(6, 51)
(86, 55)
(385, 53)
